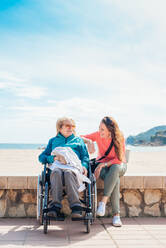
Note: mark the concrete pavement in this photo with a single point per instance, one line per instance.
(135, 232)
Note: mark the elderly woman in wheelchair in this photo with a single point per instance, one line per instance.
(68, 161)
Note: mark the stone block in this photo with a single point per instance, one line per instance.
(132, 197)
(152, 210)
(99, 195)
(3, 182)
(108, 210)
(152, 196)
(122, 180)
(65, 206)
(1, 192)
(100, 183)
(3, 205)
(32, 182)
(133, 182)
(122, 209)
(153, 182)
(17, 211)
(164, 209)
(31, 210)
(164, 182)
(134, 211)
(19, 182)
(28, 198)
(164, 196)
(12, 195)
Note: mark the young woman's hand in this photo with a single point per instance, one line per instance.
(90, 145)
(98, 170)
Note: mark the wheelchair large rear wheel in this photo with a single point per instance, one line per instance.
(45, 223)
(45, 218)
(40, 201)
(87, 223)
(94, 198)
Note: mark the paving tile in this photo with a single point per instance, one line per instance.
(92, 246)
(47, 243)
(151, 221)
(138, 242)
(54, 232)
(135, 232)
(130, 236)
(15, 221)
(158, 232)
(163, 241)
(14, 235)
(138, 246)
(92, 243)
(11, 243)
(125, 221)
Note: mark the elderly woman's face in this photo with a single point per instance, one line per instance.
(67, 128)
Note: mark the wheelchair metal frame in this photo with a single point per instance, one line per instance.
(90, 200)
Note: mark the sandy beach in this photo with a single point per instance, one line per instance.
(25, 162)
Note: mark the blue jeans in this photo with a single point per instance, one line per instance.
(111, 176)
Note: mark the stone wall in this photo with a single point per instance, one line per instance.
(18, 202)
(139, 196)
(134, 203)
(149, 202)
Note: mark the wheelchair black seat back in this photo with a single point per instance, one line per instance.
(89, 200)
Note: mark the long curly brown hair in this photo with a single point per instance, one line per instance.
(116, 134)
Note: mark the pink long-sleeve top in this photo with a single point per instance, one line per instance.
(103, 145)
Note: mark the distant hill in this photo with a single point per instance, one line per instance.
(154, 136)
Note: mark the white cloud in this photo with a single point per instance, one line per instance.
(30, 92)
(149, 9)
(132, 117)
(20, 87)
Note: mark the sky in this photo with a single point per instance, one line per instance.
(84, 60)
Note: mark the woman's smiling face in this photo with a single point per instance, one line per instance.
(104, 132)
(67, 128)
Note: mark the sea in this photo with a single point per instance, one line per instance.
(22, 146)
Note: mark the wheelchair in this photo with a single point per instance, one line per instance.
(89, 200)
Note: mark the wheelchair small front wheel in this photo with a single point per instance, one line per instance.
(45, 223)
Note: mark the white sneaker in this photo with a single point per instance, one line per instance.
(116, 221)
(101, 209)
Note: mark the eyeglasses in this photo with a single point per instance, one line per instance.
(69, 126)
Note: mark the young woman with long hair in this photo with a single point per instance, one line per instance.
(112, 166)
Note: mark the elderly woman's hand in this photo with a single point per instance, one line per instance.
(60, 158)
(84, 171)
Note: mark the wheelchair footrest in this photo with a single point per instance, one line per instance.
(88, 216)
(58, 218)
(77, 219)
(87, 210)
